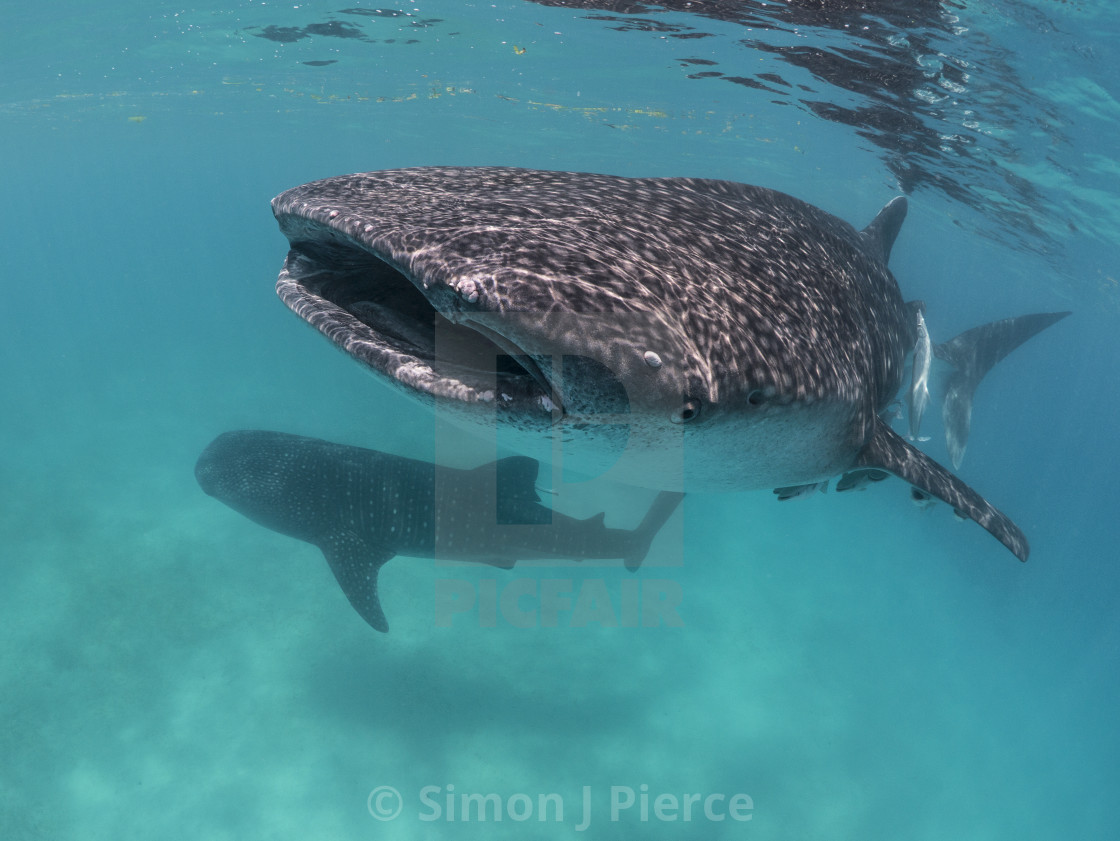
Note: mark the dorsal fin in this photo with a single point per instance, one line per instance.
(513, 482)
(883, 230)
(517, 477)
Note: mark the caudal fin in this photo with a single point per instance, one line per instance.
(659, 513)
(971, 355)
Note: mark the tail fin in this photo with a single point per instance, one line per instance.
(659, 513)
(971, 355)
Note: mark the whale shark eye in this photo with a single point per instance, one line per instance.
(756, 397)
(689, 410)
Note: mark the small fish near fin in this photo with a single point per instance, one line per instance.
(888, 451)
(500, 563)
(795, 491)
(918, 397)
(971, 355)
(859, 480)
(355, 564)
(658, 514)
(880, 235)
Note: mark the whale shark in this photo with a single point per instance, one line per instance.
(363, 507)
(756, 336)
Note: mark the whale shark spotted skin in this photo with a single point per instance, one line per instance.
(755, 334)
(363, 507)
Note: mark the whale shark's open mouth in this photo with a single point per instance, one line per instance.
(381, 318)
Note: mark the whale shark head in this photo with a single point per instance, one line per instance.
(252, 472)
(618, 314)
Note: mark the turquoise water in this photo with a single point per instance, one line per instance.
(856, 667)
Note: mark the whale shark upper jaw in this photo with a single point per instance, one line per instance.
(533, 364)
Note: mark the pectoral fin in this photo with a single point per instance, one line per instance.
(355, 563)
(888, 451)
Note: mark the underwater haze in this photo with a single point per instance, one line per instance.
(830, 667)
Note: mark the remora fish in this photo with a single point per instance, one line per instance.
(363, 507)
(757, 333)
(919, 384)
